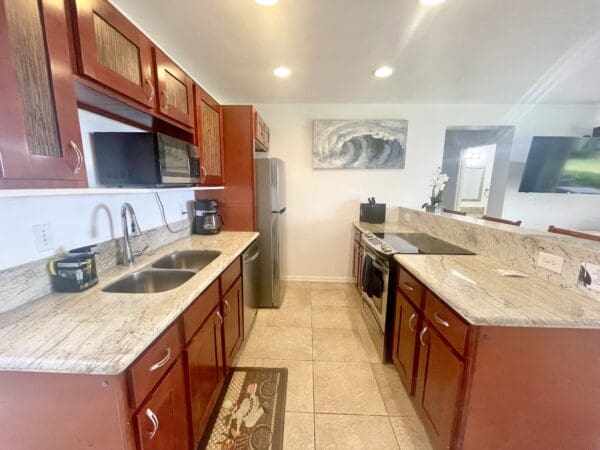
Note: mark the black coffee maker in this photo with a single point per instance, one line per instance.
(207, 218)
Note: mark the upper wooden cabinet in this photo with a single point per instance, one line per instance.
(175, 90)
(40, 140)
(113, 52)
(262, 133)
(209, 137)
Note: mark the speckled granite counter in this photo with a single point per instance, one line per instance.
(95, 332)
(470, 286)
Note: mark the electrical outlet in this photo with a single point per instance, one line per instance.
(43, 237)
(551, 262)
(183, 208)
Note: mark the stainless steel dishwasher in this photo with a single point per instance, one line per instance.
(250, 269)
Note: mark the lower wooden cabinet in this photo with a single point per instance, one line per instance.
(162, 421)
(204, 356)
(233, 310)
(405, 350)
(437, 386)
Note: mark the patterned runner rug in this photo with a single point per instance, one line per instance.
(250, 413)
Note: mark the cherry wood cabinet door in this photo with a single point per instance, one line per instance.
(233, 310)
(209, 123)
(404, 353)
(205, 371)
(113, 52)
(162, 421)
(40, 140)
(175, 90)
(437, 388)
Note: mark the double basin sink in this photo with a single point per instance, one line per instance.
(164, 274)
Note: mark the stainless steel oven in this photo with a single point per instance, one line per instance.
(144, 159)
(375, 295)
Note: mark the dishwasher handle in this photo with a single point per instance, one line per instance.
(251, 258)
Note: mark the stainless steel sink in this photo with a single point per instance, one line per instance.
(150, 281)
(187, 260)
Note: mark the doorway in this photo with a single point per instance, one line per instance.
(476, 160)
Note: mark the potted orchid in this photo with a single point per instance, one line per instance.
(438, 184)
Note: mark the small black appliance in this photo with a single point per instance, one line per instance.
(74, 272)
(207, 218)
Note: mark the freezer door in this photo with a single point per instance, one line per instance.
(278, 201)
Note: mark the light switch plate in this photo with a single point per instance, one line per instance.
(43, 237)
(550, 262)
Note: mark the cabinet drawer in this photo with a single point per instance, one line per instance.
(446, 321)
(409, 286)
(198, 311)
(229, 276)
(154, 363)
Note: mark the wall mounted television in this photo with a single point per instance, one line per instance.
(568, 165)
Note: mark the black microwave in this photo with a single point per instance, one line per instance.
(144, 159)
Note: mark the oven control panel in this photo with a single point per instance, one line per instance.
(378, 245)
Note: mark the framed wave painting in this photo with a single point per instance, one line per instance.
(359, 144)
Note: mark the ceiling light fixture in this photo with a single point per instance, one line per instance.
(282, 72)
(431, 2)
(383, 72)
(266, 2)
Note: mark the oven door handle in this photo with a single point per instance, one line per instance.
(380, 267)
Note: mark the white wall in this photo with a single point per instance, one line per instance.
(78, 220)
(322, 204)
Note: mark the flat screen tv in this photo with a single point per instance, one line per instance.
(567, 165)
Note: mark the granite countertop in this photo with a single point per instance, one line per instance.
(469, 285)
(95, 332)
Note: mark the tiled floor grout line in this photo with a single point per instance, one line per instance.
(312, 337)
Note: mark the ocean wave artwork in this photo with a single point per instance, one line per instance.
(359, 144)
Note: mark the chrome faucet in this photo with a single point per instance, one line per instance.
(128, 254)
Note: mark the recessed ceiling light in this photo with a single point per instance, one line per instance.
(282, 72)
(383, 72)
(431, 2)
(266, 2)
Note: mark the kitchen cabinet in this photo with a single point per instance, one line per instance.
(438, 382)
(405, 350)
(357, 258)
(162, 421)
(204, 356)
(262, 133)
(209, 137)
(113, 52)
(233, 309)
(40, 141)
(174, 90)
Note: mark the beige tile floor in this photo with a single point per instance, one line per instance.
(340, 396)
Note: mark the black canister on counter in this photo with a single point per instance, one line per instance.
(74, 272)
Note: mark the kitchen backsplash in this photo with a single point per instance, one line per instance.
(513, 247)
(28, 282)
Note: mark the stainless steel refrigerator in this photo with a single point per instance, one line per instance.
(270, 208)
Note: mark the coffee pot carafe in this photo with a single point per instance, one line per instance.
(207, 218)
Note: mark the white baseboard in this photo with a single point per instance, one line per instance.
(319, 279)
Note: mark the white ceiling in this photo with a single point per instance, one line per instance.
(463, 51)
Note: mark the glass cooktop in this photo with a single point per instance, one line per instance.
(421, 243)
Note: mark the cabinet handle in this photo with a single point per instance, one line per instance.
(410, 322)
(220, 317)
(152, 417)
(408, 287)
(441, 321)
(152, 91)
(1, 166)
(226, 303)
(162, 362)
(166, 96)
(421, 335)
(202, 173)
(73, 146)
